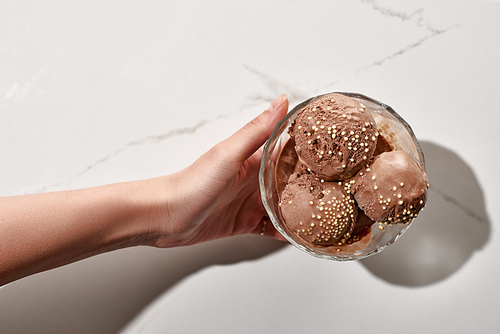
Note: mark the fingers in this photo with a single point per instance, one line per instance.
(254, 134)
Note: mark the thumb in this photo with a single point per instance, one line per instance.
(242, 144)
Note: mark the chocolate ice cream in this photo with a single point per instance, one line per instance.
(319, 212)
(337, 175)
(334, 135)
(393, 188)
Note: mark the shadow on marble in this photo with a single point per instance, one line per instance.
(104, 293)
(451, 228)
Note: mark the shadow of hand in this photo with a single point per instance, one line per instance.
(116, 286)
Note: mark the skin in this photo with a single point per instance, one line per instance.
(216, 197)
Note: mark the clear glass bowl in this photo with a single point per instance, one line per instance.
(392, 127)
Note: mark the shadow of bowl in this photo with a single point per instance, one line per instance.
(452, 227)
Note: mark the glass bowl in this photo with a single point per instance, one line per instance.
(378, 236)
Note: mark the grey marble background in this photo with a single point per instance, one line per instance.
(94, 92)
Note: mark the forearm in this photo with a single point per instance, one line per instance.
(215, 197)
(44, 231)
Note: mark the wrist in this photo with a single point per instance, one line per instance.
(157, 218)
(144, 212)
(167, 225)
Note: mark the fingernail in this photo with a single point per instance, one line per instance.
(277, 102)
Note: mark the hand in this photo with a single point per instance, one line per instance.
(218, 195)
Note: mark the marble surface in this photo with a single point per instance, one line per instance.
(94, 92)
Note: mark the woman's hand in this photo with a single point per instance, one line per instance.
(218, 195)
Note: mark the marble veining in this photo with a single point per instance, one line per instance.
(409, 47)
(153, 139)
(88, 93)
(459, 205)
(403, 16)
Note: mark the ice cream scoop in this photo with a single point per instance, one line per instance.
(392, 189)
(334, 135)
(322, 213)
(300, 183)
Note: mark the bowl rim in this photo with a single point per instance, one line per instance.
(273, 137)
